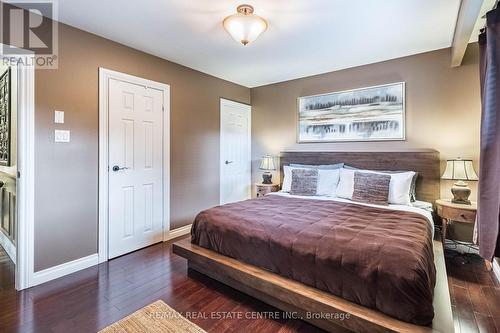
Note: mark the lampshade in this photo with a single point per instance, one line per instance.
(459, 169)
(244, 26)
(267, 163)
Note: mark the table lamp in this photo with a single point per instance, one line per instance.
(267, 164)
(459, 169)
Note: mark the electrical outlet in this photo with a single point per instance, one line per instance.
(61, 136)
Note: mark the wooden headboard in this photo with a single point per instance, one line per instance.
(425, 162)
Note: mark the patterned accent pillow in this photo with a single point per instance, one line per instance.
(371, 188)
(413, 186)
(304, 182)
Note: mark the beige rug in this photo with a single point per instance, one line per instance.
(156, 317)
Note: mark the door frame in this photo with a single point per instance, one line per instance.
(25, 253)
(104, 76)
(228, 102)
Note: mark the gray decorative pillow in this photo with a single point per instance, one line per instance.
(371, 188)
(304, 182)
(413, 186)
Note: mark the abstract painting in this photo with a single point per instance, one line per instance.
(366, 114)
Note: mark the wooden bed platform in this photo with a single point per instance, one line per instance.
(292, 296)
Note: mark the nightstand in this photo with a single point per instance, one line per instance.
(263, 189)
(449, 211)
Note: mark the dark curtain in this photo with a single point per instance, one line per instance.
(488, 213)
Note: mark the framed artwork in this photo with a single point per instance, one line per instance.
(5, 111)
(365, 114)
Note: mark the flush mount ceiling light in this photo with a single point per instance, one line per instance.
(245, 26)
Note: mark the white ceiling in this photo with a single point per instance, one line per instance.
(305, 37)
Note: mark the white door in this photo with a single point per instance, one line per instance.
(235, 157)
(135, 167)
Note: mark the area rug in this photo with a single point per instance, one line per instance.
(156, 317)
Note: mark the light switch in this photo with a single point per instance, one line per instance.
(61, 136)
(59, 117)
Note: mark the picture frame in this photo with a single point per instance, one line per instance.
(5, 115)
(376, 113)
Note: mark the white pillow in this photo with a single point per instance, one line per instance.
(345, 187)
(327, 181)
(399, 186)
(287, 178)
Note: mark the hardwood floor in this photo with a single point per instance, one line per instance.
(475, 294)
(96, 297)
(7, 271)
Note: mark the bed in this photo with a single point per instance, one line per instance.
(378, 264)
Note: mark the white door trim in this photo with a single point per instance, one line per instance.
(104, 76)
(25, 267)
(222, 102)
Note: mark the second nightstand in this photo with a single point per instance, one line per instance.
(449, 211)
(263, 189)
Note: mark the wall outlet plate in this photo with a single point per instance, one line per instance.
(61, 136)
(58, 117)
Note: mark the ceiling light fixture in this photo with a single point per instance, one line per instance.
(245, 26)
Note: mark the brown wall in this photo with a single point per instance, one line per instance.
(66, 200)
(442, 107)
(443, 110)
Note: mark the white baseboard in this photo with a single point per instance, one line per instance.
(8, 246)
(496, 268)
(89, 261)
(64, 269)
(177, 232)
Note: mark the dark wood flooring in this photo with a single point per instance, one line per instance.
(475, 294)
(96, 297)
(7, 272)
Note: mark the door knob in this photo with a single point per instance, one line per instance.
(117, 168)
(229, 162)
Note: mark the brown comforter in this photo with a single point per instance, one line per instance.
(376, 257)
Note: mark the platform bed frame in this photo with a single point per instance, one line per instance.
(317, 307)
(296, 298)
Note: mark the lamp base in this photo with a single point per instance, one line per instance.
(266, 178)
(461, 193)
